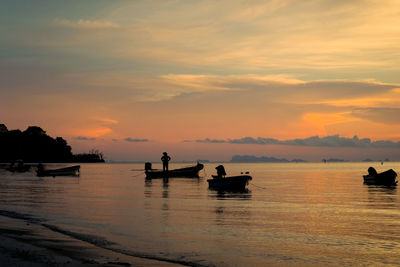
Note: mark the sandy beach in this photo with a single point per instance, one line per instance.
(23, 243)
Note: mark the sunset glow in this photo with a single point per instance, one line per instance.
(136, 78)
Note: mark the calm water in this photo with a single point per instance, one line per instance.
(293, 214)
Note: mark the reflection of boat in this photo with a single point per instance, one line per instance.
(190, 172)
(67, 171)
(229, 183)
(384, 178)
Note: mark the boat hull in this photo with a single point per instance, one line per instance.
(188, 172)
(384, 178)
(67, 171)
(229, 183)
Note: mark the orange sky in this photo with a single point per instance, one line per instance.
(134, 79)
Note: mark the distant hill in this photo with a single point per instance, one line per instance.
(370, 160)
(247, 158)
(34, 145)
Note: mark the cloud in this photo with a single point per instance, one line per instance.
(106, 120)
(235, 37)
(85, 24)
(135, 140)
(327, 141)
(380, 115)
(218, 82)
(278, 106)
(282, 34)
(84, 138)
(281, 87)
(287, 88)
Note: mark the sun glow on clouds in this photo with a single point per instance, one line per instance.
(224, 69)
(85, 24)
(246, 37)
(106, 120)
(95, 128)
(93, 132)
(190, 82)
(288, 34)
(388, 99)
(319, 121)
(301, 108)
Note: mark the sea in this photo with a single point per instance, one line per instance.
(293, 214)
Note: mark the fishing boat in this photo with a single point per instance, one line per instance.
(189, 172)
(18, 166)
(237, 183)
(384, 178)
(67, 171)
(231, 183)
(23, 168)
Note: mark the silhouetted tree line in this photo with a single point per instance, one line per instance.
(93, 156)
(34, 145)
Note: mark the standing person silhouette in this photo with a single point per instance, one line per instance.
(165, 159)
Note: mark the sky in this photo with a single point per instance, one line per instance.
(205, 79)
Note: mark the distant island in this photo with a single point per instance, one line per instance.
(370, 160)
(334, 160)
(247, 158)
(34, 145)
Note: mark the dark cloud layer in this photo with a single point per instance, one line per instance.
(380, 115)
(84, 138)
(328, 141)
(136, 140)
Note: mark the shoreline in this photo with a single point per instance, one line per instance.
(25, 243)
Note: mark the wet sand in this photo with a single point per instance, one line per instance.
(23, 243)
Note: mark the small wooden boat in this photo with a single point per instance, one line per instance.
(18, 166)
(236, 183)
(23, 168)
(189, 172)
(384, 178)
(67, 171)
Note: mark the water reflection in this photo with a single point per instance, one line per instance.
(392, 190)
(147, 188)
(165, 187)
(26, 189)
(165, 194)
(242, 194)
(226, 214)
(384, 197)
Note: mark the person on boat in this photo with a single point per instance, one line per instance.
(372, 171)
(165, 159)
(220, 171)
